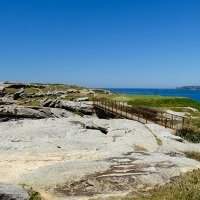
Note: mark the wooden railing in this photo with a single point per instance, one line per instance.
(141, 114)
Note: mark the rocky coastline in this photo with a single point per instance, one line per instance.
(52, 142)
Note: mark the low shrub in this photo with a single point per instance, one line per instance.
(189, 134)
(34, 195)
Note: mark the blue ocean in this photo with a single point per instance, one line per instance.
(193, 94)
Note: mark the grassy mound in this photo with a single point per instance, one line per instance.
(186, 187)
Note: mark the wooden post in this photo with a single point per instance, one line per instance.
(183, 122)
(172, 121)
(130, 112)
(112, 105)
(126, 112)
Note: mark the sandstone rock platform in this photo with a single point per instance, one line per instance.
(71, 158)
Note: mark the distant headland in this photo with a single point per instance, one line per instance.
(192, 87)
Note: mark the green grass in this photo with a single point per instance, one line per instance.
(186, 187)
(32, 90)
(34, 102)
(157, 101)
(196, 119)
(10, 90)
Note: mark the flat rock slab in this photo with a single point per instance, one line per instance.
(21, 112)
(12, 192)
(72, 158)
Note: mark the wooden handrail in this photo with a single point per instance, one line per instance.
(141, 114)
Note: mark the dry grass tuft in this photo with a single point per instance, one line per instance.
(193, 155)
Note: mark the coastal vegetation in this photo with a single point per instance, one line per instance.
(34, 195)
(157, 101)
(190, 134)
(189, 107)
(186, 187)
(33, 94)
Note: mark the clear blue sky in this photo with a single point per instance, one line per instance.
(101, 43)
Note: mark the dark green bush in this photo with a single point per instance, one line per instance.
(189, 134)
(35, 196)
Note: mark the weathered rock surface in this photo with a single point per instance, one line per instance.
(70, 158)
(22, 85)
(16, 112)
(12, 192)
(82, 107)
(1, 90)
(103, 91)
(18, 94)
(73, 91)
(6, 101)
(91, 125)
(47, 94)
(82, 99)
(87, 92)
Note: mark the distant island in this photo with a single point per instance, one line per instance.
(192, 87)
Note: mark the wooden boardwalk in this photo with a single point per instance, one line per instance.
(141, 114)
